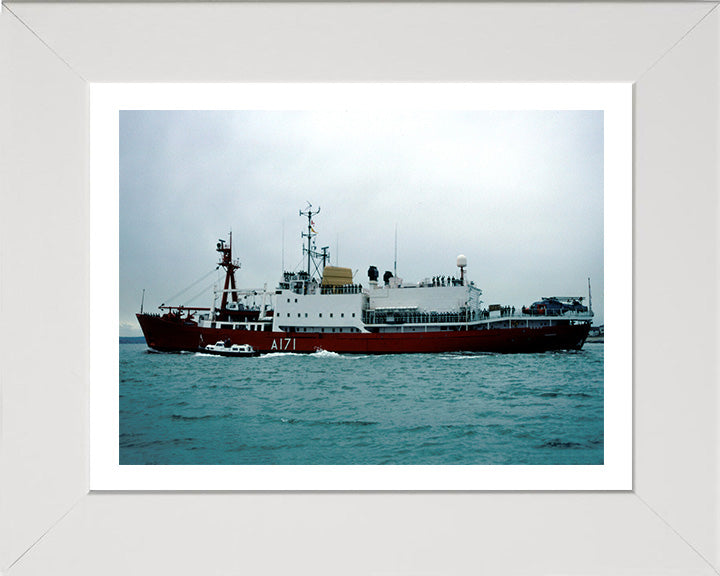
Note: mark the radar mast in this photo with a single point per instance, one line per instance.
(310, 250)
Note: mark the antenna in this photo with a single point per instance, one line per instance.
(142, 302)
(589, 296)
(283, 246)
(310, 233)
(395, 263)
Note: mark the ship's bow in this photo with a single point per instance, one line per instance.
(168, 335)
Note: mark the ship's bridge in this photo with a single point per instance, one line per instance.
(334, 304)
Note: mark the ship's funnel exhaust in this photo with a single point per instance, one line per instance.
(373, 274)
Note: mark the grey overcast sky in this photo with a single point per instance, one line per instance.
(519, 193)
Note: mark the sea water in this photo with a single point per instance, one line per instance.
(328, 408)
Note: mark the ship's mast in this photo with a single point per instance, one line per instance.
(230, 266)
(310, 234)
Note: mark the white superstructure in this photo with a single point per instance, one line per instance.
(304, 305)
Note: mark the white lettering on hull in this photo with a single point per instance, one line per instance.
(283, 344)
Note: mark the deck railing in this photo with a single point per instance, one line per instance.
(346, 289)
(415, 317)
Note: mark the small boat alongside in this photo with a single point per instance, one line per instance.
(226, 348)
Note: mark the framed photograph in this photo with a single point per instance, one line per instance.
(535, 170)
(61, 507)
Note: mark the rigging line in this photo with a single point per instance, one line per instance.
(191, 286)
(203, 291)
(298, 264)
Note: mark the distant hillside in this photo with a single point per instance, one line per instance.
(132, 339)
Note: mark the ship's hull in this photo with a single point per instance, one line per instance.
(173, 336)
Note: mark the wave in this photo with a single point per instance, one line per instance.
(467, 355)
(172, 352)
(328, 422)
(320, 353)
(203, 417)
(565, 394)
(557, 443)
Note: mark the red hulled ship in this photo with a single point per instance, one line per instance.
(322, 308)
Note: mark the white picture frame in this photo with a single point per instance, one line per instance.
(667, 525)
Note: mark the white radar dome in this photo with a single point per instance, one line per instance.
(461, 261)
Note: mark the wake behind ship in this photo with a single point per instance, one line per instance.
(323, 308)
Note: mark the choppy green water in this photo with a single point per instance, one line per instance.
(326, 408)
